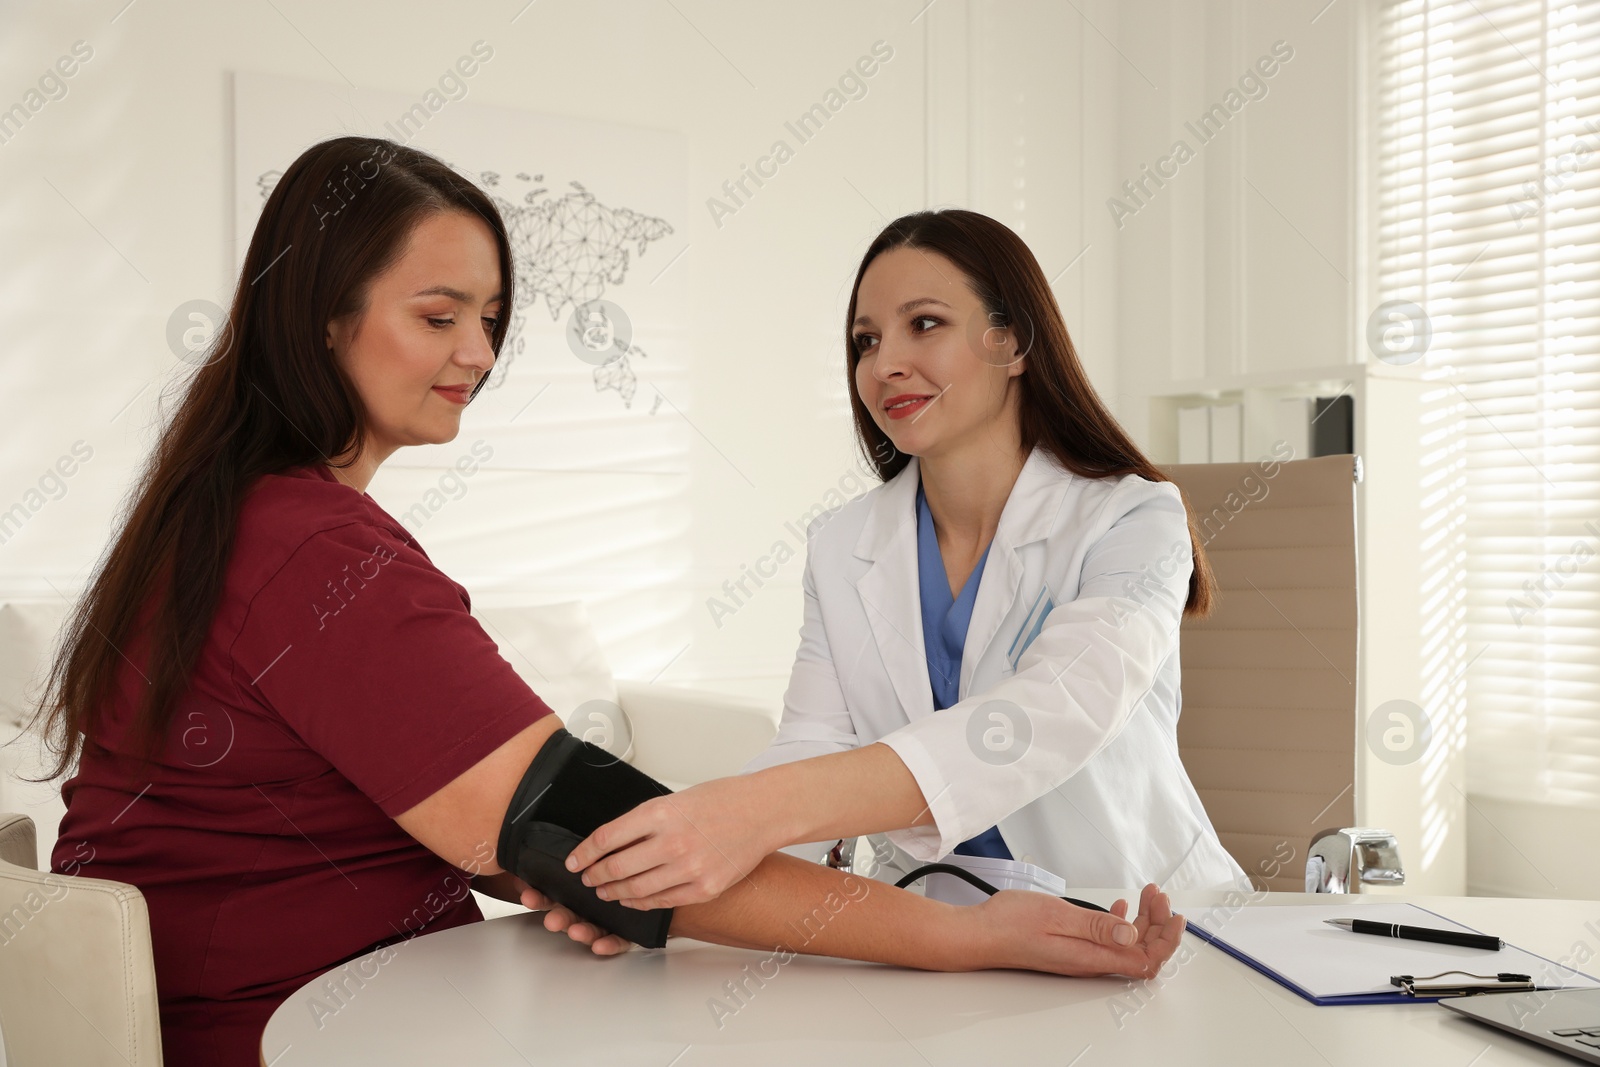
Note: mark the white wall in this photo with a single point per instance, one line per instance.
(116, 198)
(1246, 262)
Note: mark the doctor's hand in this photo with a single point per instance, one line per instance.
(558, 919)
(684, 848)
(1034, 931)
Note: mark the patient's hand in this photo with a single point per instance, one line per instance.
(680, 849)
(1024, 930)
(558, 919)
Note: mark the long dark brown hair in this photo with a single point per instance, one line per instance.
(1058, 409)
(268, 397)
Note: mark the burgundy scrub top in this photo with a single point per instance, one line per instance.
(343, 680)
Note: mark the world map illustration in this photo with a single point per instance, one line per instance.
(568, 250)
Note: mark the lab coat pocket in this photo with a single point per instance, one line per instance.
(1032, 623)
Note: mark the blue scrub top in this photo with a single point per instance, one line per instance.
(945, 620)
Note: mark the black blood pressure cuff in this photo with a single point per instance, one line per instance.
(571, 789)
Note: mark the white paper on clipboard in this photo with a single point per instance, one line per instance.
(1292, 944)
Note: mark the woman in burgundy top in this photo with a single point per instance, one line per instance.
(287, 729)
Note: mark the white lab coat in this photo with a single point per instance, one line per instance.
(1075, 629)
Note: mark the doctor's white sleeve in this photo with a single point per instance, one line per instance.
(1075, 686)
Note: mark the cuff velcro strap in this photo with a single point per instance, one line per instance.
(571, 789)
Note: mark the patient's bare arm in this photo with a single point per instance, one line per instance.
(805, 908)
(781, 903)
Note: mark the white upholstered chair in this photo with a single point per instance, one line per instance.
(77, 977)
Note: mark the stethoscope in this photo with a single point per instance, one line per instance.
(976, 882)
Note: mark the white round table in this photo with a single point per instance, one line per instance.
(507, 992)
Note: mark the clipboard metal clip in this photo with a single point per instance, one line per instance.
(1432, 986)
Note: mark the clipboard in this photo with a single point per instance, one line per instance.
(1291, 945)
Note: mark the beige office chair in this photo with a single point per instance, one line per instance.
(1268, 727)
(77, 977)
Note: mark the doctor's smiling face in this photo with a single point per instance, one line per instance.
(937, 378)
(423, 341)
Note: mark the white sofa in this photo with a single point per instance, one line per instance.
(679, 735)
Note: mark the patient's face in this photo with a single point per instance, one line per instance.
(423, 341)
(936, 376)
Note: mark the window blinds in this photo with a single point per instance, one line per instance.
(1487, 150)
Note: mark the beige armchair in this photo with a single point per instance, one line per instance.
(77, 977)
(1268, 728)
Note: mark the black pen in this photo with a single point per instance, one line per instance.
(1419, 933)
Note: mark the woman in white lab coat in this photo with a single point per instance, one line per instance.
(989, 659)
